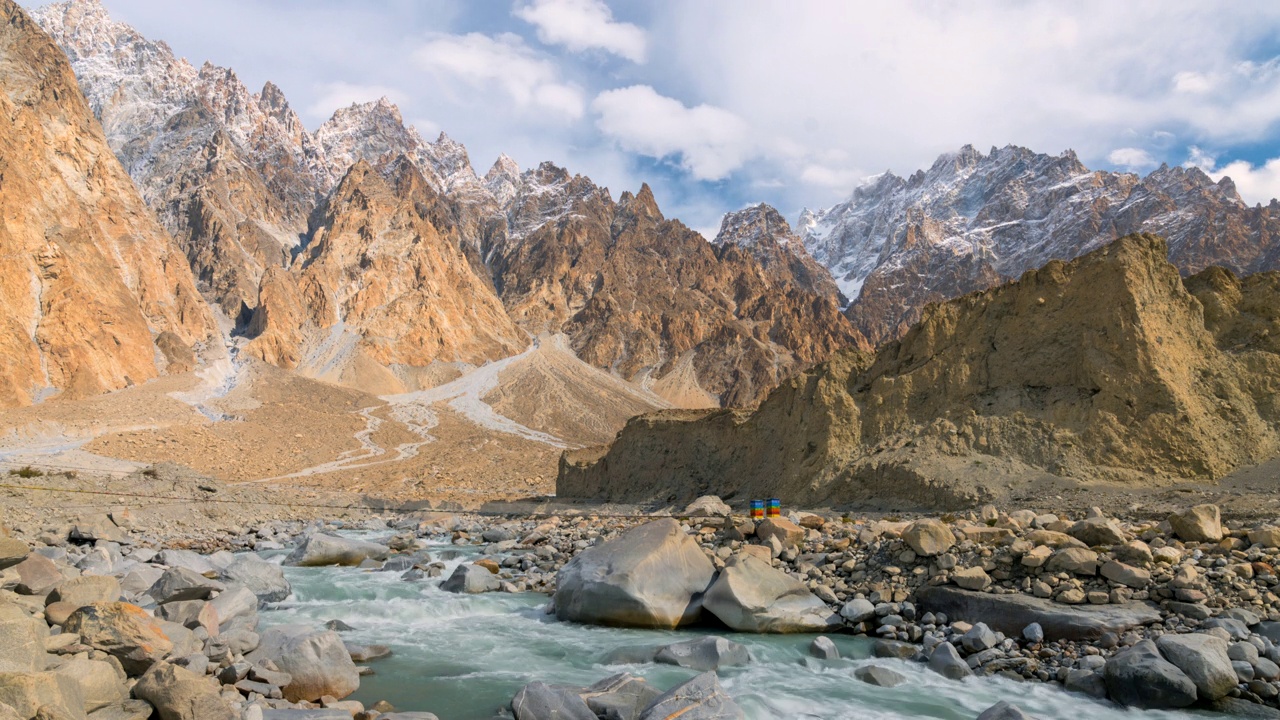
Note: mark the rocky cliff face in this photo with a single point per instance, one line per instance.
(1102, 368)
(92, 288)
(971, 221)
(646, 297)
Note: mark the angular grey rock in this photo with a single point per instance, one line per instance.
(321, 549)
(1140, 677)
(879, 676)
(1202, 523)
(929, 537)
(824, 649)
(178, 583)
(653, 576)
(471, 579)
(1009, 614)
(179, 694)
(1203, 658)
(264, 579)
(945, 661)
(37, 575)
(707, 653)
(12, 551)
(1004, 710)
(978, 638)
(21, 640)
(1033, 633)
(750, 595)
(539, 701)
(858, 610)
(1086, 681)
(85, 590)
(620, 697)
(233, 603)
(40, 695)
(1096, 531)
(187, 559)
(894, 649)
(317, 661)
(701, 698)
(101, 683)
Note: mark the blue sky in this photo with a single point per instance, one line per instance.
(720, 103)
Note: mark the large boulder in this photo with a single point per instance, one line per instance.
(12, 552)
(92, 528)
(37, 575)
(1140, 677)
(235, 602)
(101, 683)
(1004, 710)
(620, 697)
(929, 537)
(30, 692)
(1202, 523)
(178, 584)
(701, 698)
(321, 549)
(179, 694)
(265, 579)
(1010, 614)
(21, 640)
(945, 660)
(1096, 531)
(471, 579)
(706, 653)
(787, 533)
(188, 559)
(651, 576)
(85, 590)
(1203, 658)
(540, 701)
(1077, 561)
(708, 505)
(317, 661)
(121, 630)
(750, 595)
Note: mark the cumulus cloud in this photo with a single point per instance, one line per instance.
(1134, 159)
(581, 25)
(710, 142)
(504, 61)
(334, 95)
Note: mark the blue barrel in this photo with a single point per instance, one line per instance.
(775, 507)
(757, 509)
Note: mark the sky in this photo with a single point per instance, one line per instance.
(718, 104)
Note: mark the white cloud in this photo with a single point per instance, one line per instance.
(711, 142)
(1191, 82)
(1198, 158)
(530, 80)
(581, 25)
(1135, 159)
(335, 95)
(841, 179)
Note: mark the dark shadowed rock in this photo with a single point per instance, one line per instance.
(1009, 614)
(701, 698)
(1140, 677)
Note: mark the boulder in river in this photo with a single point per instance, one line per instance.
(750, 595)
(1140, 677)
(651, 576)
(701, 698)
(264, 579)
(540, 701)
(879, 676)
(471, 579)
(320, 549)
(707, 653)
(620, 696)
(1004, 710)
(317, 661)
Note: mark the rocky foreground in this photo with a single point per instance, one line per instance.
(100, 619)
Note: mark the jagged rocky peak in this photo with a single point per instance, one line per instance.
(761, 231)
(973, 220)
(755, 224)
(364, 131)
(503, 179)
(642, 204)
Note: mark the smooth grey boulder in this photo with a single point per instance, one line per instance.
(316, 660)
(540, 701)
(879, 676)
(179, 694)
(707, 653)
(234, 603)
(21, 640)
(1086, 681)
(1004, 710)
(824, 649)
(1009, 614)
(750, 595)
(178, 584)
(651, 576)
(620, 697)
(187, 559)
(1139, 677)
(945, 660)
(701, 698)
(858, 610)
(471, 579)
(1203, 658)
(321, 549)
(264, 579)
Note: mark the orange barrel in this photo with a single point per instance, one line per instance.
(775, 507)
(757, 509)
